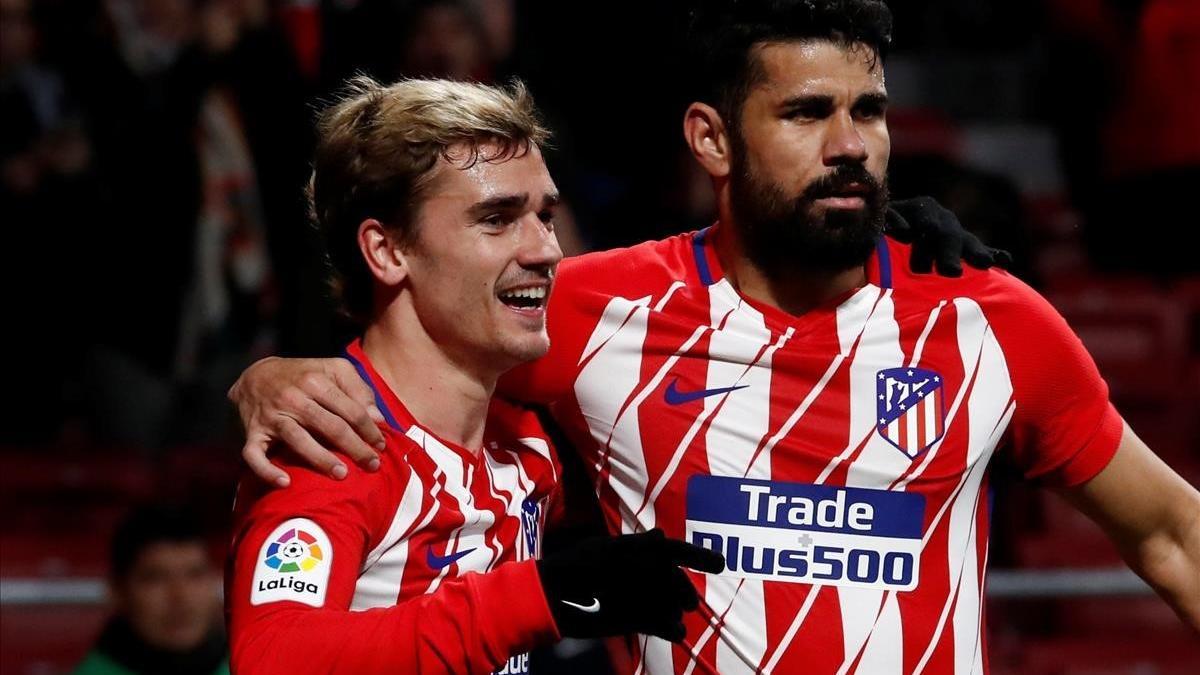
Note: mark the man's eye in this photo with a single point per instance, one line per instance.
(871, 112)
(547, 218)
(807, 112)
(497, 220)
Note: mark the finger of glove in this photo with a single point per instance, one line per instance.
(667, 626)
(701, 559)
(949, 254)
(682, 590)
(976, 254)
(896, 226)
(1002, 258)
(672, 632)
(920, 261)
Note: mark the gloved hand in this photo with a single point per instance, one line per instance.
(628, 584)
(936, 235)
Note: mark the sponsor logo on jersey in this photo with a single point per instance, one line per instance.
(676, 397)
(909, 403)
(293, 564)
(815, 534)
(437, 562)
(531, 526)
(517, 665)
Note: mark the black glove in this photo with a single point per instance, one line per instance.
(936, 235)
(628, 584)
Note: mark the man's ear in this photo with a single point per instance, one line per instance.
(706, 136)
(382, 253)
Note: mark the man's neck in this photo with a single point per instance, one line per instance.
(444, 396)
(797, 292)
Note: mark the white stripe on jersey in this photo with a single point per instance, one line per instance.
(609, 378)
(498, 471)
(919, 349)
(877, 466)
(615, 315)
(853, 319)
(383, 569)
(741, 420)
(989, 402)
(648, 498)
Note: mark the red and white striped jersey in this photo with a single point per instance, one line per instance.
(838, 459)
(426, 565)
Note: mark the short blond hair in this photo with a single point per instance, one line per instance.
(377, 149)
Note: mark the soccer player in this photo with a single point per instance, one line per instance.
(781, 388)
(438, 213)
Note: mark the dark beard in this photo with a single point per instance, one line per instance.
(781, 235)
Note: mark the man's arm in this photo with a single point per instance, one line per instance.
(1153, 516)
(298, 401)
(293, 579)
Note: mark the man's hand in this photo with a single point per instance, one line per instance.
(936, 235)
(283, 399)
(628, 584)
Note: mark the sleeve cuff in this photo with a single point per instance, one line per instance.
(510, 597)
(1091, 459)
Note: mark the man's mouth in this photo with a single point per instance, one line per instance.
(525, 298)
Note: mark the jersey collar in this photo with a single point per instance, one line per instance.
(708, 266)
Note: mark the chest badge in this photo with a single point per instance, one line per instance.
(531, 525)
(910, 408)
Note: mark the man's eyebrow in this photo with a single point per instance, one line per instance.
(551, 199)
(500, 203)
(873, 98)
(807, 100)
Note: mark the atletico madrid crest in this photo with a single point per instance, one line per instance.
(909, 408)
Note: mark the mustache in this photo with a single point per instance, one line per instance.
(839, 180)
(527, 276)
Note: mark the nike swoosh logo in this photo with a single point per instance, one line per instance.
(437, 562)
(676, 397)
(590, 609)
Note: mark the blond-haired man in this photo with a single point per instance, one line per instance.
(438, 211)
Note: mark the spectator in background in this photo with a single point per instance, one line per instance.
(167, 610)
(179, 287)
(47, 188)
(1126, 90)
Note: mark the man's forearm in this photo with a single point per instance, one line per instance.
(1170, 563)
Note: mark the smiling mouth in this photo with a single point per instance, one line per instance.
(525, 299)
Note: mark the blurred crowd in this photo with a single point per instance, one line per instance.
(155, 151)
(153, 155)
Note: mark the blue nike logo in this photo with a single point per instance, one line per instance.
(437, 562)
(676, 397)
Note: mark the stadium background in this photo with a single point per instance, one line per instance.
(155, 241)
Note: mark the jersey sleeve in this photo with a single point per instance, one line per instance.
(294, 564)
(1065, 430)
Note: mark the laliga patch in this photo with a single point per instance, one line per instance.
(813, 534)
(293, 564)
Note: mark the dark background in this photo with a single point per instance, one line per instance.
(154, 151)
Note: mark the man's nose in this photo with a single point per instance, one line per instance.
(843, 143)
(539, 245)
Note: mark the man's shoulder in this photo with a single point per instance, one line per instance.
(620, 269)
(996, 291)
(311, 487)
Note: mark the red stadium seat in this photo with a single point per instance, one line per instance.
(47, 640)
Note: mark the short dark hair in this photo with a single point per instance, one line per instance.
(723, 34)
(148, 525)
